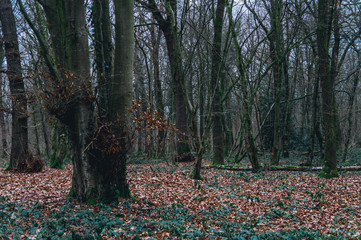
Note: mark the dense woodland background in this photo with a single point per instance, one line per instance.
(96, 82)
(121, 119)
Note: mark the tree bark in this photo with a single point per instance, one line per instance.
(156, 36)
(2, 114)
(247, 99)
(122, 89)
(216, 89)
(170, 31)
(98, 174)
(276, 49)
(350, 108)
(103, 53)
(327, 80)
(19, 137)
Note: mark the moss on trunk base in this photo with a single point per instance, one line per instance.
(328, 173)
(196, 176)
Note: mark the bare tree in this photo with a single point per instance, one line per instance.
(328, 11)
(19, 137)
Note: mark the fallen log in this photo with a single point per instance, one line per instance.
(283, 168)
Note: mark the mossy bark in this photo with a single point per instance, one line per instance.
(97, 175)
(216, 86)
(103, 54)
(327, 80)
(276, 53)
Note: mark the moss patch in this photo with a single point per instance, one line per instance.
(328, 174)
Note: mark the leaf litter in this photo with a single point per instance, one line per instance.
(166, 203)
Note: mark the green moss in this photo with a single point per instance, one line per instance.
(217, 164)
(290, 166)
(125, 193)
(56, 163)
(92, 201)
(8, 168)
(235, 166)
(196, 176)
(328, 174)
(71, 192)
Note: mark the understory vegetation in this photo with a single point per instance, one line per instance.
(166, 203)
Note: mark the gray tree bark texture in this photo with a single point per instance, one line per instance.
(19, 137)
(99, 174)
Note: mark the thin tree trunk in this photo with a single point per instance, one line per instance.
(350, 109)
(155, 34)
(216, 90)
(19, 146)
(170, 31)
(45, 132)
(36, 132)
(286, 111)
(2, 114)
(140, 94)
(247, 99)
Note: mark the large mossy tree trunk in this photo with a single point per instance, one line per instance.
(121, 93)
(79, 110)
(99, 147)
(216, 85)
(19, 136)
(327, 80)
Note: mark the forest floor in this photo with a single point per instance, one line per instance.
(166, 203)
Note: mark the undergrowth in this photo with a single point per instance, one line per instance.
(81, 222)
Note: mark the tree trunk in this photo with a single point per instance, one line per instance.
(19, 146)
(327, 81)
(286, 113)
(2, 114)
(79, 115)
(156, 36)
(216, 89)
(58, 146)
(36, 132)
(122, 91)
(99, 151)
(3, 127)
(45, 131)
(103, 53)
(350, 109)
(247, 99)
(276, 48)
(170, 31)
(55, 11)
